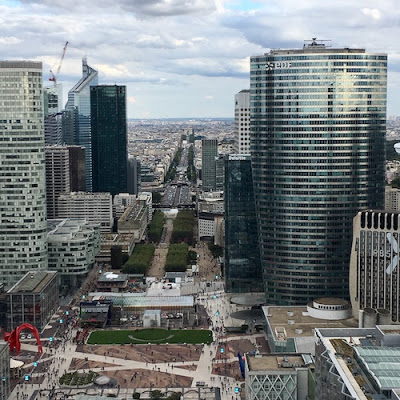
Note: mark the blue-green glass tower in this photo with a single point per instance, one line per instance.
(317, 142)
(242, 255)
(109, 138)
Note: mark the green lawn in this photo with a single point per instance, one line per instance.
(153, 336)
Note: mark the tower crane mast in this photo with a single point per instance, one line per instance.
(53, 77)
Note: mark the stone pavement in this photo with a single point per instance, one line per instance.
(198, 363)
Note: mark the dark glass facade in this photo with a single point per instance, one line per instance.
(318, 121)
(109, 140)
(242, 256)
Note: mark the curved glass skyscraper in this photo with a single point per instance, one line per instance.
(318, 121)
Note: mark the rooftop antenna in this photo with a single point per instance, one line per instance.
(314, 43)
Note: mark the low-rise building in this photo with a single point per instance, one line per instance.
(95, 207)
(290, 329)
(357, 363)
(277, 376)
(33, 299)
(111, 282)
(73, 245)
(134, 221)
(126, 241)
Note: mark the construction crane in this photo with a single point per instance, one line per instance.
(53, 77)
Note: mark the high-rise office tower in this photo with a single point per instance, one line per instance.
(109, 140)
(57, 177)
(22, 171)
(209, 151)
(242, 255)
(52, 97)
(134, 180)
(318, 118)
(77, 116)
(242, 122)
(77, 169)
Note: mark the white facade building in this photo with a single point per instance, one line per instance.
(22, 171)
(95, 207)
(73, 245)
(57, 177)
(392, 199)
(242, 122)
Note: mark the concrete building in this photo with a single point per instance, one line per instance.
(22, 171)
(374, 266)
(57, 177)
(4, 370)
(313, 169)
(290, 329)
(73, 245)
(94, 207)
(109, 240)
(242, 122)
(392, 199)
(209, 151)
(78, 119)
(134, 221)
(33, 299)
(358, 364)
(277, 376)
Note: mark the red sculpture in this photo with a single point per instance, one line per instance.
(13, 337)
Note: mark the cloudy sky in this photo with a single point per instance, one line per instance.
(187, 58)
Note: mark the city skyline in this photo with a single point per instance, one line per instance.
(180, 61)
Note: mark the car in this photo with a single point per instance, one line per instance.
(29, 336)
(23, 337)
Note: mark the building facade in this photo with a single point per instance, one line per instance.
(73, 246)
(57, 177)
(109, 140)
(242, 122)
(4, 370)
(242, 254)
(77, 169)
(209, 151)
(22, 171)
(278, 377)
(133, 176)
(392, 199)
(77, 118)
(52, 97)
(374, 263)
(33, 299)
(94, 207)
(318, 122)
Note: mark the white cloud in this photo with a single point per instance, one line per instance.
(175, 52)
(372, 12)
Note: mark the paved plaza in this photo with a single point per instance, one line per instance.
(139, 367)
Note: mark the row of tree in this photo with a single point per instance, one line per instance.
(170, 175)
(191, 169)
(177, 258)
(156, 227)
(183, 227)
(140, 259)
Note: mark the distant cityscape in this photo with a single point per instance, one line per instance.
(249, 257)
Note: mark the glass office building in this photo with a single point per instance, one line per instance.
(242, 256)
(23, 229)
(109, 141)
(209, 151)
(77, 117)
(318, 121)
